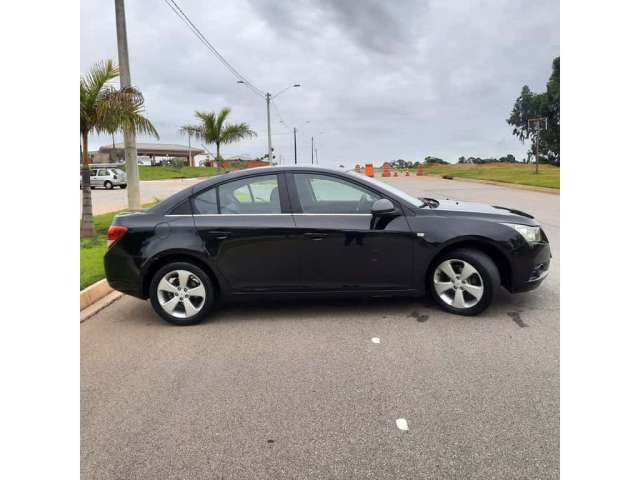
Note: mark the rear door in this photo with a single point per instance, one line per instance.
(247, 227)
(101, 176)
(339, 247)
(93, 180)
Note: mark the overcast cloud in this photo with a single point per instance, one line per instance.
(381, 80)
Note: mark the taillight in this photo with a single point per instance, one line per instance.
(115, 233)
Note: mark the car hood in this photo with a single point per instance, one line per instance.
(479, 209)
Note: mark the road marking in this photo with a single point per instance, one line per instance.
(375, 339)
(402, 424)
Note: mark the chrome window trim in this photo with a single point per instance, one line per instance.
(266, 214)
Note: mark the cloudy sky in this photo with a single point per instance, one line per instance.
(381, 79)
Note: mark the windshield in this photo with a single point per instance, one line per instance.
(117, 171)
(389, 188)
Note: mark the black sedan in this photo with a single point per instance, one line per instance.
(309, 231)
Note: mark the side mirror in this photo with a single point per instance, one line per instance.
(382, 207)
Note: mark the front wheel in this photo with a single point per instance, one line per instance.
(181, 293)
(123, 186)
(464, 281)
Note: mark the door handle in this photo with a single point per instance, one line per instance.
(219, 235)
(315, 235)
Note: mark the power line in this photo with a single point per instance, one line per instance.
(280, 115)
(183, 16)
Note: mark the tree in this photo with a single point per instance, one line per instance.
(213, 129)
(105, 109)
(429, 159)
(399, 163)
(189, 131)
(507, 159)
(531, 105)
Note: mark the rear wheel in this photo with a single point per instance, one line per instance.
(123, 186)
(181, 293)
(464, 281)
(108, 185)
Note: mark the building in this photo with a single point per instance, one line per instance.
(231, 161)
(148, 153)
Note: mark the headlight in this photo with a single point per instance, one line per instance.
(530, 234)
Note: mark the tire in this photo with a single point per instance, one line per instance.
(481, 280)
(108, 185)
(171, 276)
(123, 186)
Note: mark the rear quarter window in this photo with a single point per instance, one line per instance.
(206, 202)
(184, 208)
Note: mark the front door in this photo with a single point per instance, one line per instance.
(340, 249)
(247, 229)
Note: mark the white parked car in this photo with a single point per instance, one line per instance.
(107, 178)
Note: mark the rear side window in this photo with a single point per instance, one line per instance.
(254, 195)
(206, 202)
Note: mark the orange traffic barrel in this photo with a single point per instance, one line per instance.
(368, 169)
(420, 173)
(357, 168)
(386, 172)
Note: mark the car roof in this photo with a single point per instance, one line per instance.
(262, 170)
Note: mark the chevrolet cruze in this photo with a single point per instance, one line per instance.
(309, 231)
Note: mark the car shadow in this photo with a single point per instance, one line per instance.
(313, 308)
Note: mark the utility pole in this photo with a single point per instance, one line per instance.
(537, 148)
(295, 147)
(316, 155)
(311, 150)
(268, 97)
(190, 148)
(130, 151)
(537, 125)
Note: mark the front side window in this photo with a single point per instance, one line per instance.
(326, 194)
(102, 172)
(255, 195)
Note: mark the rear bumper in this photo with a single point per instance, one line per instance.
(530, 268)
(123, 273)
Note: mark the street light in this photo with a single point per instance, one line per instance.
(268, 97)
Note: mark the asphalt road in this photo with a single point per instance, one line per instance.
(301, 391)
(104, 201)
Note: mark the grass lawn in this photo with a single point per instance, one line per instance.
(522, 174)
(164, 173)
(92, 250)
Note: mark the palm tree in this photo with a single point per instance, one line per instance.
(213, 129)
(189, 131)
(105, 109)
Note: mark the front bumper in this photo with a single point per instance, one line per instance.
(530, 268)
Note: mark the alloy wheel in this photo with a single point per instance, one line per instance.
(181, 293)
(458, 283)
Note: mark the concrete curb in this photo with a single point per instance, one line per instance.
(94, 308)
(553, 191)
(93, 293)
